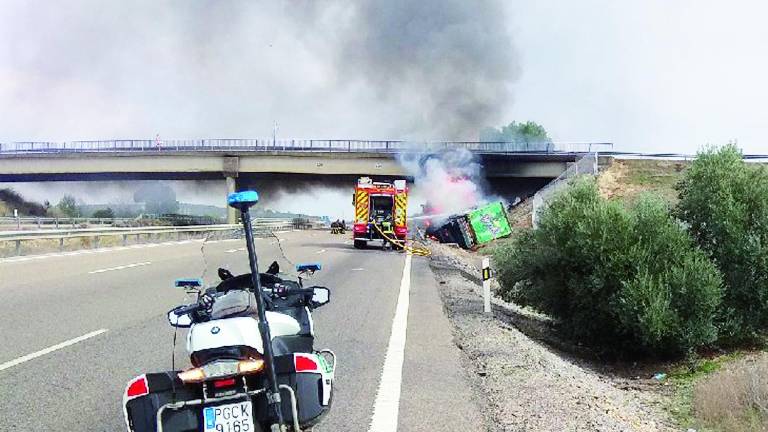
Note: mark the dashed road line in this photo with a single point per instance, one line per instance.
(387, 405)
(122, 267)
(49, 350)
(235, 250)
(320, 251)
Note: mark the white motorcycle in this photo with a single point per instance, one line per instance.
(251, 345)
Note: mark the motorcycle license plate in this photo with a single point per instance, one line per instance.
(236, 417)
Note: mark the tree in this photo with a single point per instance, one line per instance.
(158, 198)
(529, 133)
(724, 202)
(106, 213)
(68, 206)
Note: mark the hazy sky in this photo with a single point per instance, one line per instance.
(654, 75)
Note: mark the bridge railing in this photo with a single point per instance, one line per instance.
(293, 145)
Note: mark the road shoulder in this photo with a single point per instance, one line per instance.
(436, 394)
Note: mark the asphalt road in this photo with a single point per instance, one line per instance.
(120, 297)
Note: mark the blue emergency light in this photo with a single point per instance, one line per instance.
(244, 199)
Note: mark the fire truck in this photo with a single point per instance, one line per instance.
(375, 203)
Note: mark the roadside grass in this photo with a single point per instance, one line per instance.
(735, 398)
(628, 178)
(726, 393)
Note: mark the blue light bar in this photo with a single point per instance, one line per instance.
(188, 283)
(244, 197)
(309, 267)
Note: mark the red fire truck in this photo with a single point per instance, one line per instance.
(376, 203)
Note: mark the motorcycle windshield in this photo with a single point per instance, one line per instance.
(224, 255)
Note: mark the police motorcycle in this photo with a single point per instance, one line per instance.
(250, 341)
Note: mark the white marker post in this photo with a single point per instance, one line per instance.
(487, 285)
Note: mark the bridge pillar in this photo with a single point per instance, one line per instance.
(231, 168)
(231, 212)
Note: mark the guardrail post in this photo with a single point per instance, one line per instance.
(96, 242)
(56, 221)
(18, 247)
(18, 223)
(125, 239)
(38, 223)
(61, 244)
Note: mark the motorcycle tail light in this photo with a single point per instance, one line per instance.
(304, 363)
(224, 383)
(250, 366)
(137, 387)
(194, 375)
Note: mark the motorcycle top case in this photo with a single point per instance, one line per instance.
(312, 390)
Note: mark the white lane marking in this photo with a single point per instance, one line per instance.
(387, 406)
(358, 269)
(320, 251)
(51, 349)
(235, 250)
(120, 267)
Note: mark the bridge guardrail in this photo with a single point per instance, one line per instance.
(260, 226)
(293, 145)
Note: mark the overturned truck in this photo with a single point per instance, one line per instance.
(474, 228)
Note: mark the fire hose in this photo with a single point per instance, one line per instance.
(415, 250)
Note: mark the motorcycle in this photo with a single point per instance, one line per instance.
(251, 346)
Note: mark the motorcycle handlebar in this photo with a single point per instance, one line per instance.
(183, 310)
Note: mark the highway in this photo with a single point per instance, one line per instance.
(74, 328)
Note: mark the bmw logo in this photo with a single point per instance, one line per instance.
(215, 330)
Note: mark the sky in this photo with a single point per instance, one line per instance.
(653, 76)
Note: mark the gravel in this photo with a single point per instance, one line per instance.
(527, 383)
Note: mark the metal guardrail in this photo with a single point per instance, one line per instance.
(293, 145)
(260, 226)
(56, 221)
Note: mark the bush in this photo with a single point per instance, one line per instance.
(627, 279)
(725, 203)
(106, 213)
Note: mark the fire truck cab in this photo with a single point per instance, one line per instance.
(376, 205)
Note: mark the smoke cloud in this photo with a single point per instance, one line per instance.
(446, 183)
(447, 63)
(369, 69)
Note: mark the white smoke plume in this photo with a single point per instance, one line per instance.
(444, 183)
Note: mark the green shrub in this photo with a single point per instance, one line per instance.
(725, 203)
(106, 213)
(624, 279)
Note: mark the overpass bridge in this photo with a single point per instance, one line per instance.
(243, 160)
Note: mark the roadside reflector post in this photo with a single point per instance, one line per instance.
(487, 285)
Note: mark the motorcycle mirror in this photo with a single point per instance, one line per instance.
(320, 296)
(225, 274)
(274, 268)
(182, 321)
